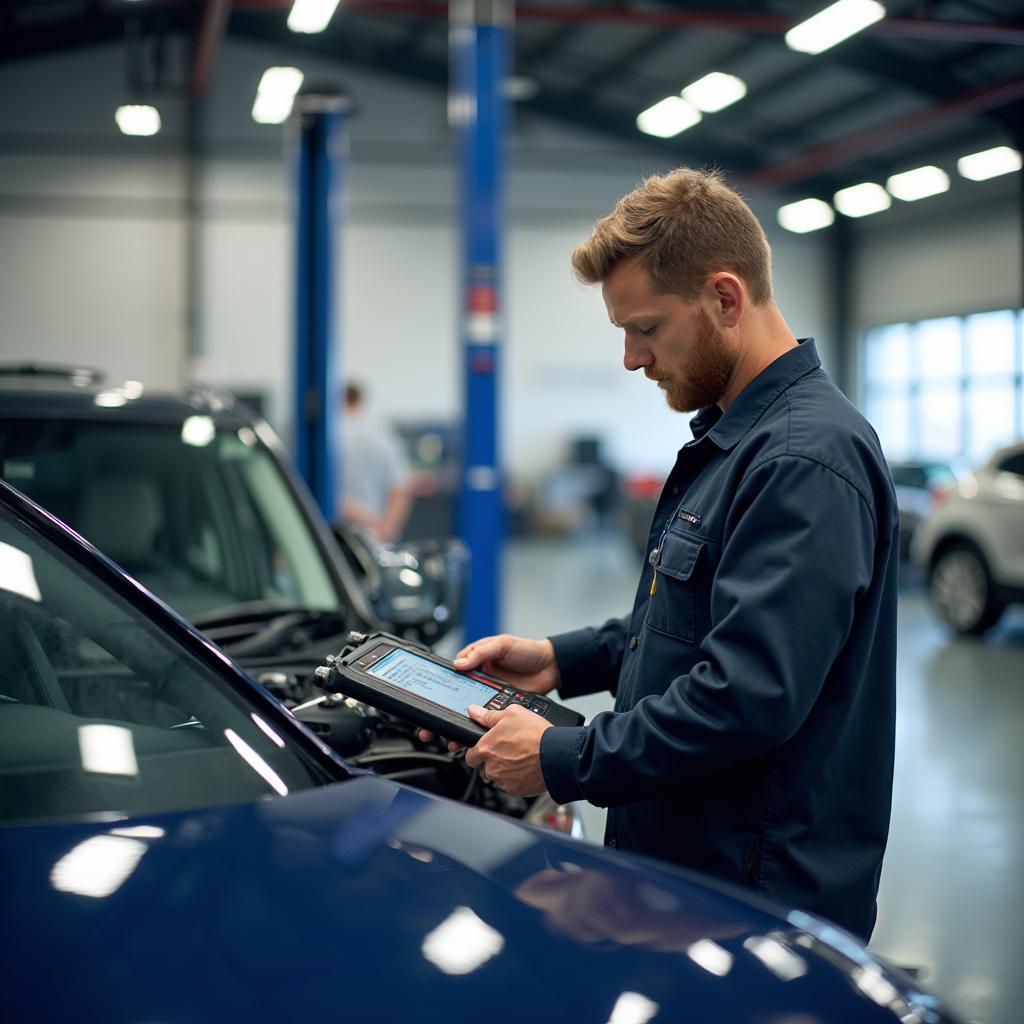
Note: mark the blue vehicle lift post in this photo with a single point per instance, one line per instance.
(319, 167)
(479, 42)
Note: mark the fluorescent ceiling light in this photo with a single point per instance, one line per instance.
(17, 574)
(256, 763)
(668, 117)
(989, 163)
(275, 95)
(711, 956)
(138, 119)
(833, 25)
(715, 91)
(198, 431)
(861, 200)
(311, 15)
(918, 183)
(806, 215)
(462, 943)
(98, 866)
(107, 750)
(633, 1008)
(519, 88)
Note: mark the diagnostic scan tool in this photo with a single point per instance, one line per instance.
(409, 682)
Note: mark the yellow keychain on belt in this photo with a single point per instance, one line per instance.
(654, 583)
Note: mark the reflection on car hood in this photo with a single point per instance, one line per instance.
(366, 900)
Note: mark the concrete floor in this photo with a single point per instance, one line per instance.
(952, 895)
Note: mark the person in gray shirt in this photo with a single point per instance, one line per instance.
(374, 481)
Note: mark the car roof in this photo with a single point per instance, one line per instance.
(30, 389)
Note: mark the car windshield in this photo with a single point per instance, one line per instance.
(201, 516)
(101, 712)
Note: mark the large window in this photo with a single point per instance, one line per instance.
(947, 388)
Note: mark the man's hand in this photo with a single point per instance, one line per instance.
(525, 664)
(528, 665)
(509, 753)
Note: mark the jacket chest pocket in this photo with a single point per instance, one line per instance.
(672, 606)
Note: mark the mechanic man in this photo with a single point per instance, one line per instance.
(375, 483)
(753, 731)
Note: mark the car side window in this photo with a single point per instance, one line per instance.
(1013, 464)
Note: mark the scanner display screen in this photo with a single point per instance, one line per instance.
(430, 681)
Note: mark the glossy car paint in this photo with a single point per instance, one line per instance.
(366, 900)
(331, 904)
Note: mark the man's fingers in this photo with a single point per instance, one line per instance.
(488, 719)
(425, 736)
(488, 648)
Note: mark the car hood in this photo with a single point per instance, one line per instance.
(368, 900)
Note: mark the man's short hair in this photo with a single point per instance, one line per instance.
(682, 227)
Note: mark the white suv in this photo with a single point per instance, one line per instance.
(972, 546)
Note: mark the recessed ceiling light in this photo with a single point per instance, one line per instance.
(861, 200)
(806, 215)
(138, 119)
(668, 117)
(918, 183)
(989, 163)
(311, 15)
(715, 91)
(834, 24)
(276, 95)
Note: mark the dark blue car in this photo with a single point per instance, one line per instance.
(175, 846)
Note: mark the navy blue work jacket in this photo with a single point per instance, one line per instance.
(753, 731)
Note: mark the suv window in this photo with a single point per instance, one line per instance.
(101, 712)
(201, 516)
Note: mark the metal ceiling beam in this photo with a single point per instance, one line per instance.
(211, 35)
(94, 28)
(548, 47)
(827, 157)
(607, 73)
(733, 21)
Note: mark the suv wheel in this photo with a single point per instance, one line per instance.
(962, 592)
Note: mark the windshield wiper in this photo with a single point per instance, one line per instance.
(262, 629)
(255, 611)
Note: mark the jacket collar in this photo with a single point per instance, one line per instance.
(728, 428)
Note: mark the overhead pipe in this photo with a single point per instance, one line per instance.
(761, 24)
(830, 155)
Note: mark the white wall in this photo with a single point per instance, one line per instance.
(964, 261)
(92, 234)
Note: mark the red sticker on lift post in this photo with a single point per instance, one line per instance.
(482, 298)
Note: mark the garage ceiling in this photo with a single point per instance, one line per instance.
(933, 80)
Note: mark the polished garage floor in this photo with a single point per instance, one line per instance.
(952, 898)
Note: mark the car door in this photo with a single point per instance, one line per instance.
(1007, 510)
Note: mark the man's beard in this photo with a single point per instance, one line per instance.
(708, 371)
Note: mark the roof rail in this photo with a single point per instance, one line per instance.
(213, 396)
(79, 375)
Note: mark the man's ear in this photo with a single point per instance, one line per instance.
(727, 296)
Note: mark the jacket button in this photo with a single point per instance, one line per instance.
(613, 842)
(633, 641)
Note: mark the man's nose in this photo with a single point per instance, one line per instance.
(636, 356)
